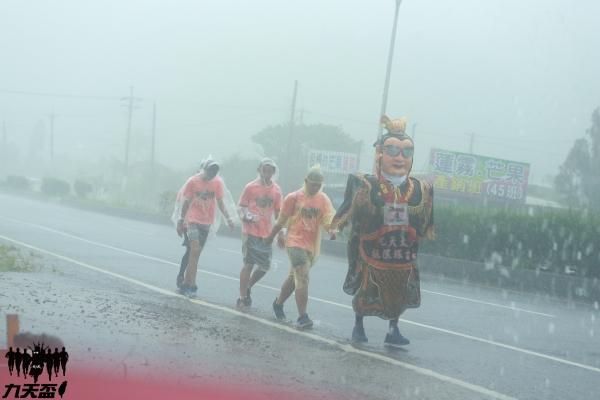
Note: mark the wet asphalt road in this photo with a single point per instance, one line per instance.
(465, 339)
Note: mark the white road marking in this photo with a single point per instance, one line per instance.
(447, 331)
(136, 231)
(239, 253)
(58, 232)
(229, 250)
(489, 303)
(513, 308)
(344, 347)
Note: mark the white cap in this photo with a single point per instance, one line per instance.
(267, 161)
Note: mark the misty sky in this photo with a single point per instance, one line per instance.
(522, 75)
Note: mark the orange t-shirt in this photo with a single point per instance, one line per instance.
(307, 214)
(203, 195)
(262, 201)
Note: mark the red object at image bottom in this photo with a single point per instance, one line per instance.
(95, 383)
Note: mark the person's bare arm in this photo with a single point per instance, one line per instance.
(281, 233)
(184, 210)
(281, 222)
(225, 213)
(327, 221)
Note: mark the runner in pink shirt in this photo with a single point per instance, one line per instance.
(305, 212)
(201, 194)
(259, 203)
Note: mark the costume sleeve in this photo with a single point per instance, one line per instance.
(348, 197)
(427, 228)
(430, 230)
(343, 214)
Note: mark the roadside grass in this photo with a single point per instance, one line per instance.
(14, 260)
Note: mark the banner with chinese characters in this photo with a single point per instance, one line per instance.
(334, 162)
(479, 176)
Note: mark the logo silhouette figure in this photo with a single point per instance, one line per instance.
(56, 361)
(64, 357)
(49, 359)
(18, 360)
(10, 354)
(26, 362)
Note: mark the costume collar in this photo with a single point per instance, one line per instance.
(394, 180)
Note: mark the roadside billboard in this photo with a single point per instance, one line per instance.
(334, 162)
(473, 175)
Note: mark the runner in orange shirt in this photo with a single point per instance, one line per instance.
(259, 203)
(304, 212)
(201, 195)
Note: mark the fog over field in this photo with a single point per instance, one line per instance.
(521, 76)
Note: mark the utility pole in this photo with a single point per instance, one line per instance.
(358, 154)
(388, 72)
(152, 154)
(414, 131)
(4, 152)
(52, 116)
(4, 137)
(472, 135)
(291, 136)
(130, 104)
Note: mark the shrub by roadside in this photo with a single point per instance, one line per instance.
(82, 188)
(54, 187)
(561, 241)
(17, 182)
(13, 259)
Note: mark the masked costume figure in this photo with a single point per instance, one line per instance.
(389, 213)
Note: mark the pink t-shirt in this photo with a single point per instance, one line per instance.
(262, 201)
(203, 195)
(307, 215)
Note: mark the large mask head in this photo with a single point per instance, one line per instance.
(394, 150)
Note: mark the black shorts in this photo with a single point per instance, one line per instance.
(197, 232)
(256, 251)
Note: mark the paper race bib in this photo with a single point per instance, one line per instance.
(395, 214)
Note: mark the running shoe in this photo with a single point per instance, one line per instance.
(248, 299)
(278, 310)
(304, 322)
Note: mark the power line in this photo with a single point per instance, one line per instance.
(63, 95)
(152, 154)
(4, 149)
(219, 121)
(52, 116)
(131, 104)
(522, 139)
(488, 140)
(338, 117)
